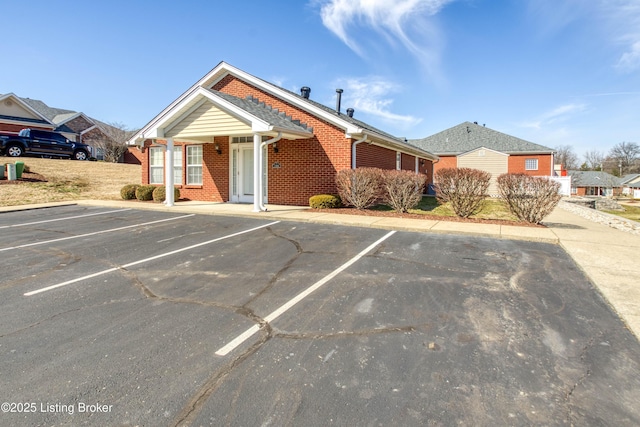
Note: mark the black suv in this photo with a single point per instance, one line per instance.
(44, 143)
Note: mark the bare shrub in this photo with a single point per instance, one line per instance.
(360, 188)
(529, 198)
(402, 189)
(463, 188)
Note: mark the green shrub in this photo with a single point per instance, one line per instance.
(325, 201)
(160, 194)
(145, 192)
(128, 192)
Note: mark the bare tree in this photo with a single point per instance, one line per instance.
(112, 140)
(626, 154)
(594, 160)
(567, 157)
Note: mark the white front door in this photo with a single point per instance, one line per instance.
(242, 171)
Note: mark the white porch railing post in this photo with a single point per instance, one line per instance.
(257, 172)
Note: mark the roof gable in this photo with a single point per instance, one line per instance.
(468, 136)
(351, 126)
(14, 108)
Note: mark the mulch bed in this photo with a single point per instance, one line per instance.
(392, 214)
(26, 177)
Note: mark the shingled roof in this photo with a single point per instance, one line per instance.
(468, 136)
(593, 179)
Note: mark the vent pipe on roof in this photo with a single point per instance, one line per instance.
(305, 91)
(338, 100)
(350, 112)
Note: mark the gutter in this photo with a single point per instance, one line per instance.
(261, 172)
(353, 150)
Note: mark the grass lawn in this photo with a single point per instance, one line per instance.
(66, 180)
(630, 212)
(491, 209)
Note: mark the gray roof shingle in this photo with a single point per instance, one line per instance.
(264, 112)
(593, 179)
(468, 136)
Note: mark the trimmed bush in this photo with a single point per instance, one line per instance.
(360, 188)
(145, 192)
(128, 192)
(325, 201)
(160, 194)
(463, 188)
(402, 189)
(529, 198)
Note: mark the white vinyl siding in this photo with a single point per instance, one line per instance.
(531, 164)
(194, 165)
(156, 165)
(494, 162)
(205, 120)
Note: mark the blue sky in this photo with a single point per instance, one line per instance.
(554, 72)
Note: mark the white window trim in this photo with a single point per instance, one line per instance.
(194, 165)
(156, 167)
(526, 161)
(178, 157)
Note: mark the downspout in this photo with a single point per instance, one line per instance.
(261, 186)
(353, 150)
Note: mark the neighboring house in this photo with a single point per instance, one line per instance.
(594, 183)
(630, 184)
(17, 113)
(474, 146)
(233, 137)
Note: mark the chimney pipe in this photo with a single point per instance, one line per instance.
(350, 112)
(305, 91)
(338, 100)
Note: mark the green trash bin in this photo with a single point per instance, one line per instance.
(19, 169)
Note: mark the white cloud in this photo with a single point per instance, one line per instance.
(371, 95)
(393, 20)
(555, 116)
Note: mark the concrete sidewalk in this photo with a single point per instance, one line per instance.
(607, 256)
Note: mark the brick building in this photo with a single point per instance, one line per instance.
(18, 113)
(233, 137)
(478, 147)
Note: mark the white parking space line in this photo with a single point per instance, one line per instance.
(293, 301)
(63, 219)
(131, 264)
(44, 242)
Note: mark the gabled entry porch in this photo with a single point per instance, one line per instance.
(236, 133)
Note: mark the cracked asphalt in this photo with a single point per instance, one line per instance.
(423, 329)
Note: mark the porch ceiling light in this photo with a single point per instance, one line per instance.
(217, 147)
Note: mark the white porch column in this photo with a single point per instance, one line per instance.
(257, 171)
(168, 173)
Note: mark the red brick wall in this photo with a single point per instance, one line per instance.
(133, 156)
(408, 163)
(446, 162)
(517, 164)
(306, 167)
(374, 156)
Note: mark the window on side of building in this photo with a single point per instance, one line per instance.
(531, 164)
(156, 162)
(177, 165)
(194, 165)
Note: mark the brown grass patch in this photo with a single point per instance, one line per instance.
(54, 180)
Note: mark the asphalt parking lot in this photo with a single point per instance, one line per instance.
(126, 317)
